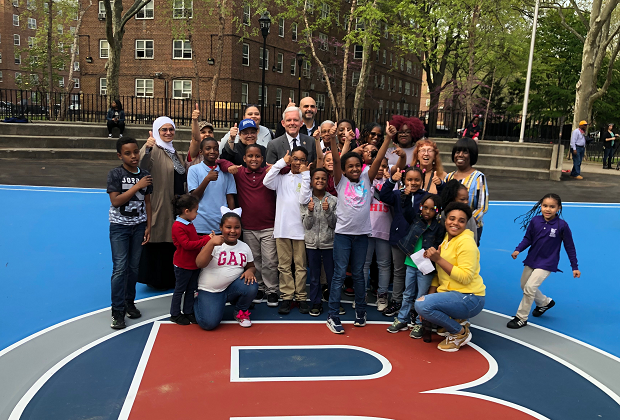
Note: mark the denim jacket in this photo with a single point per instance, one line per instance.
(432, 235)
(404, 212)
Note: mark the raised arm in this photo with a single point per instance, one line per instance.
(194, 145)
(206, 254)
(376, 164)
(146, 157)
(271, 179)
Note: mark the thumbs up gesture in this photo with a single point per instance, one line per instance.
(311, 205)
(325, 205)
(234, 130)
(150, 142)
(196, 113)
(390, 130)
(397, 175)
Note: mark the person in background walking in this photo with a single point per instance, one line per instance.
(609, 139)
(116, 118)
(578, 148)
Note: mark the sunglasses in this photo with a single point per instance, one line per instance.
(379, 135)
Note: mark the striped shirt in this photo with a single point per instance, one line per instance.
(476, 184)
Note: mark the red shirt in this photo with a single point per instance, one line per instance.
(188, 244)
(257, 201)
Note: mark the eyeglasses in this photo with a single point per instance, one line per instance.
(372, 134)
(165, 130)
(404, 133)
(427, 150)
(299, 160)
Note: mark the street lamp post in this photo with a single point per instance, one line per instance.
(529, 74)
(265, 23)
(300, 61)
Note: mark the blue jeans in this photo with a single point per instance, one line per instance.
(186, 282)
(126, 243)
(416, 285)
(348, 250)
(577, 158)
(315, 256)
(443, 308)
(209, 306)
(384, 261)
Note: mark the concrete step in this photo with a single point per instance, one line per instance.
(73, 154)
(504, 161)
(80, 142)
(502, 148)
(492, 171)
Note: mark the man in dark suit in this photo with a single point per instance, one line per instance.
(292, 122)
(308, 112)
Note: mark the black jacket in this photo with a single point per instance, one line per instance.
(236, 154)
(404, 212)
(432, 235)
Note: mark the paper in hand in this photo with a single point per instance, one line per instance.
(424, 264)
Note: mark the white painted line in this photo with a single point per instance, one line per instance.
(23, 402)
(234, 365)
(60, 324)
(137, 378)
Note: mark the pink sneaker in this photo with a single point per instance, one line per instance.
(243, 318)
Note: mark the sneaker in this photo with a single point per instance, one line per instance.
(539, 310)
(392, 309)
(516, 323)
(303, 307)
(349, 291)
(325, 294)
(360, 319)
(397, 326)
(317, 309)
(132, 311)
(118, 320)
(192, 318)
(259, 297)
(110, 135)
(382, 302)
(285, 307)
(272, 300)
(577, 177)
(341, 311)
(444, 333)
(180, 319)
(334, 325)
(454, 342)
(243, 318)
(120, 136)
(416, 331)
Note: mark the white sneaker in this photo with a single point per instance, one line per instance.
(120, 136)
(382, 302)
(110, 135)
(243, 318)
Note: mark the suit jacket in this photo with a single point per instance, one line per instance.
(277, 148)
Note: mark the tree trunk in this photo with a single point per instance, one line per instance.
(360, 90)
(347, 46)
(113, 68)
(50, 71)
(486, 113)
(470, 74)
(219, 50)
(585, 85)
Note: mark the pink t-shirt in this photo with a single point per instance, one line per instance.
(380, 215)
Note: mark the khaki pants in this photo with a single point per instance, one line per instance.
(263, 246)
(531, 279)
(289, 251)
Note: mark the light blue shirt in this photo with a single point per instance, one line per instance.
(182, 220)
(577, 139)
(214, 197)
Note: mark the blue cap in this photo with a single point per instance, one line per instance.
(247, 123)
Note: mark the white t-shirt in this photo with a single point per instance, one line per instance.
(353, 210)
(393, 158)
(226, 266)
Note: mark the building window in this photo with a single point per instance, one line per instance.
(294, 31)
(291, 95)
(398, 108)
(181, 49)
(383, 82)
(32, 23)
(376, 81)
(384, 56)
(386, 32)
(381, 107)
(245, 58)
(358, 52)
(103, 86)
(60, 29)
(320, 101)
(260, 58)
(247, 15)
(147, 12)
(310, 6)
(279, 97)
(260, 95)
(304, 94)
(280, 63)
(76, 66)
(281, 27)
(144, 49)
(1, 79)
(61, 47)
(400, 86)
(402, 64)
(30, 42)
(18, 77)
(61, 82)
(359, 24)
(15, 20)
(391, 57)
(325, 11)
(0, 57)
(244, 93)
(355, 78)
(305, 70)
(407, 88)
(16, 39)
(18, 58)
(323, 42)
(144, 88)
(408, 66)
(101, 10)
(389, 84)
(182, 9)
(293, 66)
(104, 48)
(181, 89)
(30, 5)
(15, 3)
(76, 83)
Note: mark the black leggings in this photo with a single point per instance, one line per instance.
(119, 124)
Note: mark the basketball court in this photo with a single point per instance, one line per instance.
(59, 359)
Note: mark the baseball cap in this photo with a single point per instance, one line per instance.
(583, 122)
(247, 123)
(203, 124)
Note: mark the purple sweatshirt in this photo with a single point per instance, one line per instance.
(545, 240)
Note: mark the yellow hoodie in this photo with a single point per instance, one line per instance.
(464, 255)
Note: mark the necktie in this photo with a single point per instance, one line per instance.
(294, 142)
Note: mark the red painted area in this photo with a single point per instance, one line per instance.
(188, 376)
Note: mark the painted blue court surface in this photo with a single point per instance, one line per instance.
(56, 263)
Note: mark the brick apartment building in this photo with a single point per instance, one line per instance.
(157, 62)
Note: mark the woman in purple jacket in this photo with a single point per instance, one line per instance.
(544, 235)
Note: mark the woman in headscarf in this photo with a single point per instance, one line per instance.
(167, 167)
